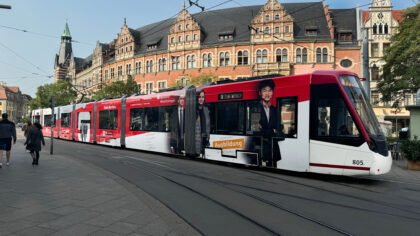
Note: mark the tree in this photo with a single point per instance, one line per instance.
(196, 81)
(401, 72)
(62, 91)
(116, 89)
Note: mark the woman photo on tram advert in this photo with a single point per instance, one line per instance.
(269, 124)
(202, 124)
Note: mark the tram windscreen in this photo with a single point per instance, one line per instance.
(357, 96)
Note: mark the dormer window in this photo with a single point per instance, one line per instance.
(226, 34)
(312, 31)
(345, 36)
(151, 47)
(153, 44)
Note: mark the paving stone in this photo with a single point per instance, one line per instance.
(66, 209)
(35, 231)
(156, 228)
(42, 217)
(110, 217)
(78, 229)
(103, 233)
(122, 227)
(14, 226)
(65, 221)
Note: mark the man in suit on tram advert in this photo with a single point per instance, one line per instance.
(268, 124)
(177, 127)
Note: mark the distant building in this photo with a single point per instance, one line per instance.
(382, 22)
(275, 38)
(12, 102)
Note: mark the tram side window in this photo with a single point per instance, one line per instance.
(165, 114)
(230, 118)
(151, 119)
(47, 120)
(287, 108)
(136, 119)
(108, 119)
(83, 119)
(66, 120)
(331, 120)
(253, 116)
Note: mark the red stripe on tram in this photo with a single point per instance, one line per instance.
(339, 166)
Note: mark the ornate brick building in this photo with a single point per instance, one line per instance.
(274, 38)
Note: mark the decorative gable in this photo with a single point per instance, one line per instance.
(272, 24)
(125, 45)
(185, 33)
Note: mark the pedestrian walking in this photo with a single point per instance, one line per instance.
(33, 142)
(7, 132)
(26, 128)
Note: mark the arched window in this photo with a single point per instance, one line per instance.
(227, 58)
(284, 55)
(205, 58)
(298, 55)
(267, 17)
(195, 36)
(264, 56)
(210, 60)
(374, 29)
(277, 17)
(221, 59)
(187, 26)
(304, 55)
(190, 61)
(278, 55)
(187, 38)
(325, 55)
(176, 63)
(318, 55)
(267, 30)
(172, 40)
(243, 58)
(380, 28)
(386, 29)
(259, 56)
(179, 38)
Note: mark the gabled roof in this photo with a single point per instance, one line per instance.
(3, 93)
(14, 89)
(398, 15)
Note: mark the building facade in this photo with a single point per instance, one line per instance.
(13, 102)
(381, 23)
(275, 38)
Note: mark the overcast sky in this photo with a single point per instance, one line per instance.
(27, 58)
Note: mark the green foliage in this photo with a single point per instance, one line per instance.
(116, 89)
(401, 73)
(411, 149)
(391, 139)
(62, 91)
(197, 81)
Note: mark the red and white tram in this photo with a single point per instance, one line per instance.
(319, 122)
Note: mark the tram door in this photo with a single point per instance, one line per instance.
(294, 148)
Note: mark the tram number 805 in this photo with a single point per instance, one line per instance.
(358, 162)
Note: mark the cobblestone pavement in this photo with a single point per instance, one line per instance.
(63, 196)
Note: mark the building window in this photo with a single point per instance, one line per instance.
(224, 59)
(187, 38)
(179, 39)
(277, 17)
(243, 58)
(298, 55)
(139, 90)
(304, 55)
(286, 29)
(112, 73)
(345, 37)
(195, 37)
(385, 46)
(386, 28)
(128, 69)
(374, 29)
(267, 17)
(318, 55)
(162, 64)
(106, 75)
(380, 28)
(138, 67)
(172, 40)
(187, 26)
(176, 63)
(225, 36)
(149, 66)
(207, 60)
(267, 30)
(375, 50)
(262, 56)
(311, 32)
(345, 63)
(324, 55)
(375, 98)
(119, 71)
(149, 87)
(190, 61)
(161, 85)
(277, 30)
(151, 46)
(374, 72)
(179, 27)
(407, 100)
